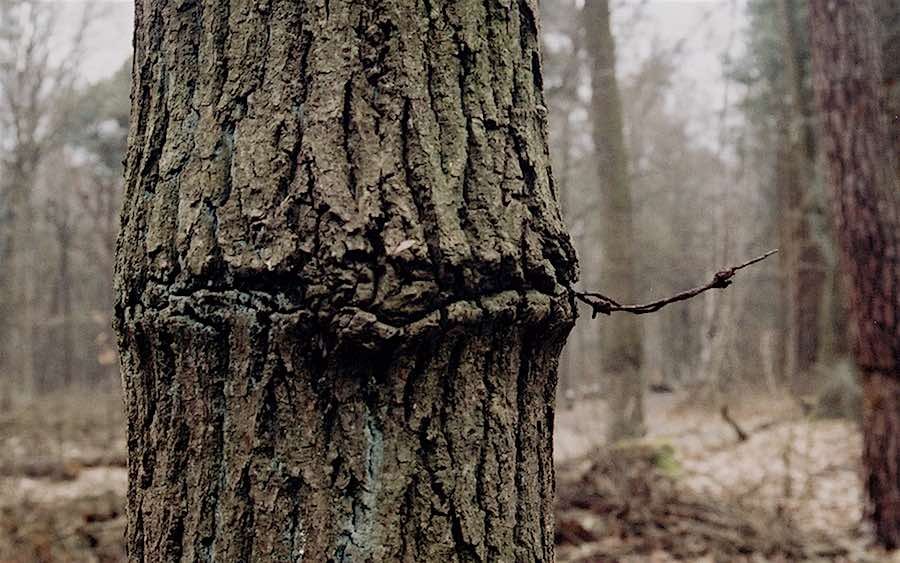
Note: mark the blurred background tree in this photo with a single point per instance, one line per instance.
(614, 229)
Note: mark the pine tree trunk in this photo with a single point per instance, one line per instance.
(881, 452)
(847, 79)
(339, 283)
(621, 352)
(888, 14)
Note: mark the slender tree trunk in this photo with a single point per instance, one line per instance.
(340, 283)
(7, 296)
(7, 269)
(847, 79)
(621, 357)
(804, 259)
(17, 277)
(63, 305)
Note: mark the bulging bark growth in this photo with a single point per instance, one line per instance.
(340, 283)
(622, 348)
(847, 79)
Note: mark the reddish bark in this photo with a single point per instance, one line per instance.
(848, 85)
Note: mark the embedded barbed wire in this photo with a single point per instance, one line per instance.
(600, 303)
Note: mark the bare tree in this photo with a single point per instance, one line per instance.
(34, 82)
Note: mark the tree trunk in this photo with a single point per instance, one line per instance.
(621, 357)
(62, 306)
(340, 283)
(18, 307)
(888, 15)
(847, 79)
(803, 257)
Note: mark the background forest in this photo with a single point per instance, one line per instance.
(721, 428)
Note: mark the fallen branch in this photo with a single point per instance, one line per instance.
(741, 433)
(600, 303)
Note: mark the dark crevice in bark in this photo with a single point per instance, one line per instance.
(244, 544)
(347, 125)
(216, 471)
(486, 499)
(521, 428)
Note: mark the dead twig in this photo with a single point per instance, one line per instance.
(741, 433)
(600, 303)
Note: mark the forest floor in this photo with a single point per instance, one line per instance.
(690, 491)
(693, 490)
(63, 479)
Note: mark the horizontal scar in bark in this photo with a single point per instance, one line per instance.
(355, 328)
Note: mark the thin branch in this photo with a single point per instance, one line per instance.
(742, 434)
(600, 303)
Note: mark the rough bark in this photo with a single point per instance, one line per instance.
(881, 452)
(888, 14)
(847, 79)
(621, 343)
(340, 283)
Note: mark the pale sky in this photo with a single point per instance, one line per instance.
(707, 28)
(707, 23)
(108, 43)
